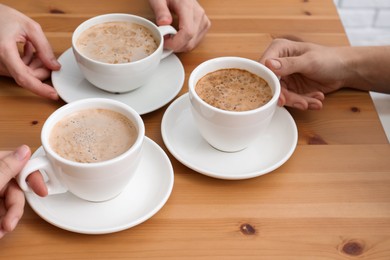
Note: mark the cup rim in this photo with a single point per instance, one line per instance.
(195, 72)
(52, 120)
(115, 17)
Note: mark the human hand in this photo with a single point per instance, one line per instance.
(193, 22)
(11, 196)
(35, 64)
(307, 71)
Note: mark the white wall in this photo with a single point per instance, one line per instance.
(367, 22)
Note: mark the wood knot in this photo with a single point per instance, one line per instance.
(307, 13)
(355, 109)
(56, 11)
(34, 122)
(247, 229)
(316, 139)
(353, 248)
(305, 1)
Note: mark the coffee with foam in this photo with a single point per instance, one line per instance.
(93, 135)
(117, 42)
(233, 90)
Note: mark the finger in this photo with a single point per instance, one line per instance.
(315, 104)
(302, 102)
(288, 65)
(13, 163)
(315, 100)
(4, 154)
(205, 25)
(42, 74)
(281, 100)
(181, 39)
(187, 27)
(42, 46)
(272, 51)
(280, 48)
(36, 86)
(296, 101)
(38, 70)
(37, 184)
(14, 205)
(42, 89)
(3, 69)
(285, 57)
(161, 11)
(317, 95)
(177, 42)
(23, 76)
(283, 94)
(199, 26)
(28, 53)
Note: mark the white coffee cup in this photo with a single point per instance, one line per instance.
(96, 181)
(232, 131)
(121, 77)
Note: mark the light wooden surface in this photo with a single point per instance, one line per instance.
(331, 200)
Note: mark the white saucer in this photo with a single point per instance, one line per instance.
(267, 153)
(160, 90)
(146, 193)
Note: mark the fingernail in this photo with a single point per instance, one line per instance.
(299, 106)
(315, 106)
(55, 62)
(21, 152)
(13, 223)
(54, 95)
(163, 19)
(276, 64)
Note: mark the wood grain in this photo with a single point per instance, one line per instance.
(330, 200)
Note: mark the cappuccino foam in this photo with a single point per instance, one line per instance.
(93, 135)
(117, 42)
(233, 90)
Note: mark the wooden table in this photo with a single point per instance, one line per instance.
(331, 200)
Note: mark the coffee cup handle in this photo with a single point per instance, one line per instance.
(166, 30)
(42, 164)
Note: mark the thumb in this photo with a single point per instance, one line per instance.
(287, 65)
(12, 164)
(161, 11)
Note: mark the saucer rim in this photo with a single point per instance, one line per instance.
(55, 75)
(219, 175)
(35, 202)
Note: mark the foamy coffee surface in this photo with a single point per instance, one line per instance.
(116, 42)
(93, 135)
(233, 90)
